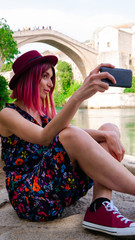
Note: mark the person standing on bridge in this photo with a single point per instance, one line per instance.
(49, 163)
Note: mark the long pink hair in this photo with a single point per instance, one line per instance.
(27, 90)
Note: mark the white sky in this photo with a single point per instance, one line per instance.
(75, 18)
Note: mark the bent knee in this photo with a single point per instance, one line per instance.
(110, 127)
(69, 132)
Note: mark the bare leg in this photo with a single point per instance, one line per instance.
(96, 162)
(98, 189)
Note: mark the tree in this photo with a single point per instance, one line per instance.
(132, 89)
(6, 67)
(4, 92)
(8, 46)
(65, 84)
(65, 75)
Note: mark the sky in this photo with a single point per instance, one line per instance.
(75, 18)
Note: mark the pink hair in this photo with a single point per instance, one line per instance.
(27, 90)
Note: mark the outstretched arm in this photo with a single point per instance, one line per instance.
(14, 123)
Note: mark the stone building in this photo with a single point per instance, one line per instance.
(116, 45)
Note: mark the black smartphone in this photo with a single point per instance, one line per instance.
(122, 76)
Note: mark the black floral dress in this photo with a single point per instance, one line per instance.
(40, 180)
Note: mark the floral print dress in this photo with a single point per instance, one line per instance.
(40, 180)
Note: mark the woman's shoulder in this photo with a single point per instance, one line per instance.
(6, 110)
(6, 115)
(7, 107)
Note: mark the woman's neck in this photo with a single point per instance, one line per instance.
(21, 105)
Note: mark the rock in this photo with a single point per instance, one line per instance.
(3, 197)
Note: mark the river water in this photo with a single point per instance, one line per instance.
(123, 118)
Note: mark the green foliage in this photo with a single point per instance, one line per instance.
(4, 92)
(132, 89)
(73, 87)
(64, 75)
(8, 46)
(65, 84)
(6, 67)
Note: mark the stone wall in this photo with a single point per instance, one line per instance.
(110, 99)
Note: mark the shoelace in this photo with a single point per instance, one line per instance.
(110, 207)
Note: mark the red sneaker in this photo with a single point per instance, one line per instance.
(109, 220)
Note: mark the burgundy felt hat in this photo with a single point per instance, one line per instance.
(27, 60)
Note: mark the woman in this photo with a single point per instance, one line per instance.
(50, 164)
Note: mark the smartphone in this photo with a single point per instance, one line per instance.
(122, 76)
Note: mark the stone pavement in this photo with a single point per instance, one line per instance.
(69, 226)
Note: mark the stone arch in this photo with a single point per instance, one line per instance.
(82, 55)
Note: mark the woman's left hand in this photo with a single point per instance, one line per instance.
(114, 145)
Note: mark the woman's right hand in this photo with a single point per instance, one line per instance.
(93, 83)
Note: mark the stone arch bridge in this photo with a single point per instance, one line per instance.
(83, 56)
